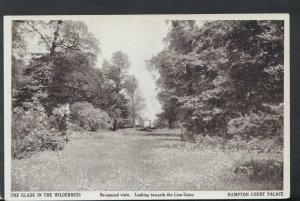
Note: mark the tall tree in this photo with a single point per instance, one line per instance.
(62, 35)
(58, 78)
(115, 73)
(137, 102)
(116, 70)
(170, 107)
(221, 70)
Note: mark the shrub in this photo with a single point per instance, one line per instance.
(263, 125)
(32, 131)
(261, 170)
(89, 118)
(188, 136)
(60, 118)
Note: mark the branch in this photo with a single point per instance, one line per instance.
(37, 31)
(72, 47)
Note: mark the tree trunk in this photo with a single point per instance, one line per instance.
(56, 34)
(171, 123)
(133, 111)
(133, 121)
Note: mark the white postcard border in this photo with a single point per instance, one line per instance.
(95, 195)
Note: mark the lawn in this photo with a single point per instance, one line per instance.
(132, 160)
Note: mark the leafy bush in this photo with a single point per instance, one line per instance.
(32, 131)
(188, 136)
(89, 118)
(60, 118)
(205, 122)
(261, 170)
(258, 124)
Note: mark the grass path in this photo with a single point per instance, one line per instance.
(130, 160)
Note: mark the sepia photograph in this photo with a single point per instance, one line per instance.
(147, 106)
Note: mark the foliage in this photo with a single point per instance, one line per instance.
(18, 67)
(115, 85)
(32, 131)
(136, 101)
(116, 70)
(57, 36)
(64, 78)
(60, 118)
(46, 82)
(170, 107)
(222, 75)
(261, 171)
(160, 123)
(90, 118)
(63, 71)
(257, 125)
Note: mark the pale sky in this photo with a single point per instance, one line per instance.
(140, 39)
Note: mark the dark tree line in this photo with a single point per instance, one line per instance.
(223, 78)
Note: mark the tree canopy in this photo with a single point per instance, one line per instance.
(220, 71)
(62, 68)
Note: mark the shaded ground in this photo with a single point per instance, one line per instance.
(132, 160)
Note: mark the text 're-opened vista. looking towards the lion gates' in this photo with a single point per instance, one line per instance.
(147, 104)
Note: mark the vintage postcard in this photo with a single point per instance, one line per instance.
(120, 107)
